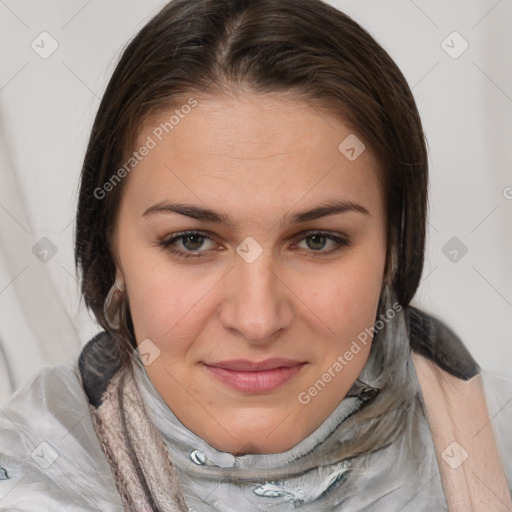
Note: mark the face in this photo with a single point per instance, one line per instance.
(252, 251)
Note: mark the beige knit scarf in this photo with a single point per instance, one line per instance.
(144, 474)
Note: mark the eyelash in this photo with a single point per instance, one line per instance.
(168, 243)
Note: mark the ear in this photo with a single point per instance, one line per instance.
(119, 282)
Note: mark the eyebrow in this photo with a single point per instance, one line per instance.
(207, 215)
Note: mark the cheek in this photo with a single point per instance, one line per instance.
(169, 303)
(349, 306)
(163, 308)
(346, 303)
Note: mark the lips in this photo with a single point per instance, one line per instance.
(245, 365)
(255, 376)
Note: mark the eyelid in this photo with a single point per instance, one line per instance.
(309, 232)
(167, 241)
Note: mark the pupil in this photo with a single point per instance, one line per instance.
(318, 238)
(192, 237)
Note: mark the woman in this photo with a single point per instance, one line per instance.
(250, 234)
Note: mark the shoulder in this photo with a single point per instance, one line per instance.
(498, 395)
(50, 457)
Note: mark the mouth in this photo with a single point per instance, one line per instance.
(255, 377)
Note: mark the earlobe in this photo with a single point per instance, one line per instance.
(113, 303)
(119, 282)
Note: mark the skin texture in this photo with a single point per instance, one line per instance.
(258, 159)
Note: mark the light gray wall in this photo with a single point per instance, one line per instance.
(47, 107)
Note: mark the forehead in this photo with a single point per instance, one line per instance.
(247, 125)
(251, 151)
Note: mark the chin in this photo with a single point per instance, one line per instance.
(257, 434)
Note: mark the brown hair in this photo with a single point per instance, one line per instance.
(305, 47)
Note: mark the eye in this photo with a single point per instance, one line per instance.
(191, 241)
(316, 241)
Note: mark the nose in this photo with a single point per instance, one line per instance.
(257, 303)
